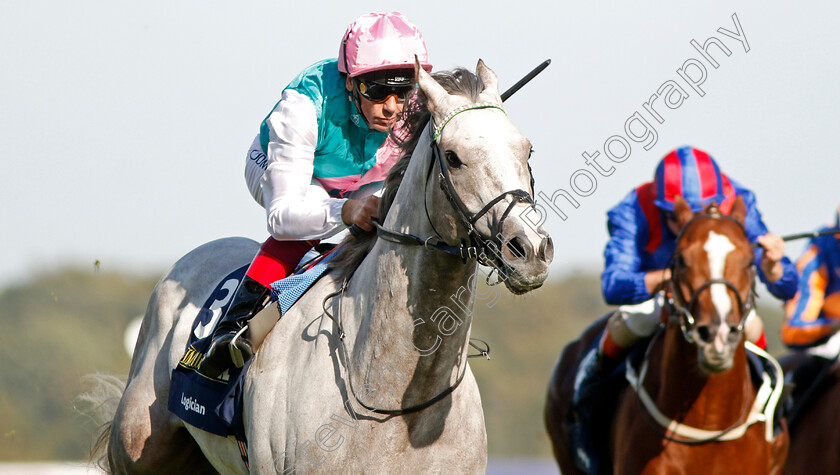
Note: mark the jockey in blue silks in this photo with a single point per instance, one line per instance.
(813, 315)
(643, 234)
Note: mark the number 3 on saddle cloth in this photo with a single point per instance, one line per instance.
(215, 405)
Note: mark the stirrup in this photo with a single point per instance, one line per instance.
(240, 351)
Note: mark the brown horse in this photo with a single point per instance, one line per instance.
(814, 437)
(692, 406)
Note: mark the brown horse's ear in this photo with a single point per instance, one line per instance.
(739, 210)
(682, 212)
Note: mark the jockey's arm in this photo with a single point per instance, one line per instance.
(297, 207)
(623, 281)
(805, 320)
(771, 259)
(784, 286)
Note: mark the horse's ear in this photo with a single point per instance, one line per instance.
(490, 80)
(739, 210)
(434, 92)
(682, 211)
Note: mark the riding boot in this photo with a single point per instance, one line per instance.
(229, 347)
(588, 398)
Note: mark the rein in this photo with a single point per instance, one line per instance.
(479, 247)
(485, 352)
(478, 251)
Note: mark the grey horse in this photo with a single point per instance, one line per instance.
(367, 373)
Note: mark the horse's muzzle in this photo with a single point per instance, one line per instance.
(525, 254)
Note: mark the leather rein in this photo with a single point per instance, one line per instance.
(478, 248)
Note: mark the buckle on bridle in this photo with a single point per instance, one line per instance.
(467, 252)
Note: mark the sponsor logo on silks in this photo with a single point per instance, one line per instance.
(192, 358)
(356, 119)
(258, 157)
(190, 404)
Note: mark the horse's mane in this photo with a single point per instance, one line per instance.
(415, 116)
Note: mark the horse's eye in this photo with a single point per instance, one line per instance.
(452, 159)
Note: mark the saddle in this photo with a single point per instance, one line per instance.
(215, 404)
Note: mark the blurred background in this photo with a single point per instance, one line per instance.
(71, 322)
(123, 129)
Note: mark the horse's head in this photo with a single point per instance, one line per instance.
(712, 281)
(482, 173)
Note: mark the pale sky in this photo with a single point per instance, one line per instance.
(124, 125)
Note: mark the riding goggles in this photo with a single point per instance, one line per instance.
(377, 92)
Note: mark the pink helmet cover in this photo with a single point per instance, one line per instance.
(377, 41)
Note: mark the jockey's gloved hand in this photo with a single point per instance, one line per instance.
(656, 280)
(360, 212)
(774, 251)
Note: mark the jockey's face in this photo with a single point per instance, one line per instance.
(671, 222)
(379, 115)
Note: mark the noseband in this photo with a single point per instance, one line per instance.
(479, 247)
(680, 309)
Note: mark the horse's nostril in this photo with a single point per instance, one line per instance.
(704, 333)
(546, 252)
(515, 247)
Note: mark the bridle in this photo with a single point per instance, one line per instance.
(479, 247)
(680, 309)
(767, 395)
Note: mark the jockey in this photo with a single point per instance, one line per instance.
(643, 234)
(321, 153)
(813, 315)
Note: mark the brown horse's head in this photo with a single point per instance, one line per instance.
(712, 281)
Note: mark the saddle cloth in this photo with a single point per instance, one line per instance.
(215, 405)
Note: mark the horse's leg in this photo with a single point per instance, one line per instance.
(144, 436)
(561, 393)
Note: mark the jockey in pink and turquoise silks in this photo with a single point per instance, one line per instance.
(321, 153)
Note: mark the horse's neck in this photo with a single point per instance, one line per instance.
(412, 306)
(686, 393)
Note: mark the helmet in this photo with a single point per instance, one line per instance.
(690, 173)
(377, 41)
